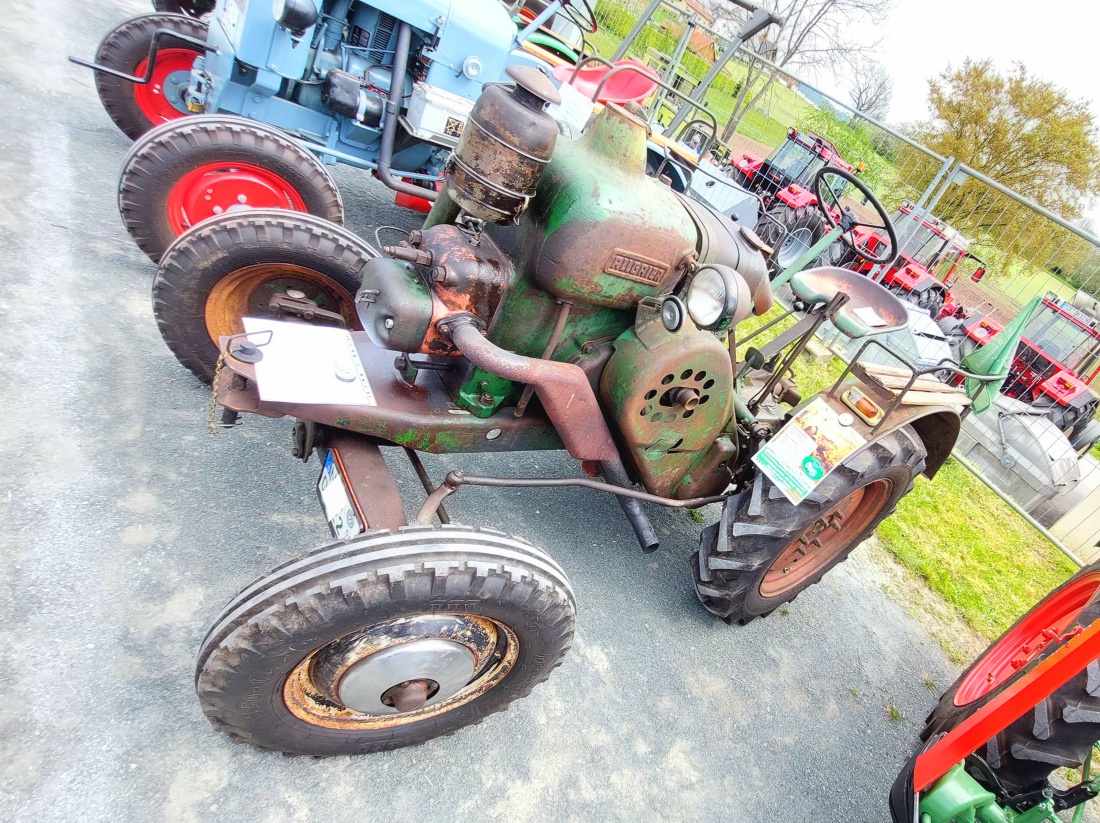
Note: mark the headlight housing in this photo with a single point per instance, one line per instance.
(717, 297)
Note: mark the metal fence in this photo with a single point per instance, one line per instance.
(997, 249)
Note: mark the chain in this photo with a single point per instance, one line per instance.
(211, 414)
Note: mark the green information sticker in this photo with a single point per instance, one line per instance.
(813, 468)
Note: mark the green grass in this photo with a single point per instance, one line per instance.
(953, 532)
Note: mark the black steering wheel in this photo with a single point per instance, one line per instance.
(586, 20)
(848, 221)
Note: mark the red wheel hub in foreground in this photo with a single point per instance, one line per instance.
(1048, 623)
(160, 99)
(215, 188)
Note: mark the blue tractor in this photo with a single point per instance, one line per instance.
(283, 88)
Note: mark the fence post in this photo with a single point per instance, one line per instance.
(634, 32)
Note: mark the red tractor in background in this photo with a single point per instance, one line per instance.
(1055, 366)
(791, 222)
(927, 266)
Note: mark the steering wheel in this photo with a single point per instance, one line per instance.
(849, 221)
(586, 20)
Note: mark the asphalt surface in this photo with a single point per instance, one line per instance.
(126, 528)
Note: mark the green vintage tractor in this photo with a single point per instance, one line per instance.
(555, 298)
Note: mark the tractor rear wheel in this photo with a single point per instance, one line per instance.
(1085, 437)
(387, 640)
(790, 232)
(237, 265)
(137, 108)
(192, 8)
(772, 549)
(1059, 731)
(182, 173)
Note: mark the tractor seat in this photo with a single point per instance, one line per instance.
(870, 309)
(624, 87)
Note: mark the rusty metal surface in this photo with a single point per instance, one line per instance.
(671, 396)
(563, 389)
(421, 416)
(506, 144)
(373, 488)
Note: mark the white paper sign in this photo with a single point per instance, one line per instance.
(308, 364)
(575, 108)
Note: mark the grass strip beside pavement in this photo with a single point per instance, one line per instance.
(966, 543)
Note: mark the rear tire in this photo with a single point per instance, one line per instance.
(274, 670)
(1086, 438)
(1058, 732)
(757, 569)
(790, 233)
(136, 109)
(230, 266)
(182, 173)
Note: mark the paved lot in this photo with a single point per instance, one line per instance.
(126, 528)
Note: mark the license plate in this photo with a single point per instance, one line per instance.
(336, 501)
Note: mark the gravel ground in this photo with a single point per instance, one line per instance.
(126, 528)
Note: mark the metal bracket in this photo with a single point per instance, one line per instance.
(150, 63)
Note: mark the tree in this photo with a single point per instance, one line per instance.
(1023, 132)
(871, 89)
(816, 32)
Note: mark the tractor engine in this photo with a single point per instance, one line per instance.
(567, 251)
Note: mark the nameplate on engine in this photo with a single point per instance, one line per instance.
(635, 267)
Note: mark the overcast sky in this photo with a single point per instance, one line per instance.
(1058, 40)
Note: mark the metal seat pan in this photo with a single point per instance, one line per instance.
(871, 308)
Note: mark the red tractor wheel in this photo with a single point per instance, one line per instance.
(183, 173)
(137, 108)
(241, 265)
(1057, 732)
(772, 549)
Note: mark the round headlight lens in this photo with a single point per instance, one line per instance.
(707, 297)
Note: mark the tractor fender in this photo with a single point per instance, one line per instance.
(796, 197)
(981, 329)
(937, 426)
(1068, 389)
(748, 165)
(911, 278)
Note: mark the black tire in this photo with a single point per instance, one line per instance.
(251, 657)
(790, 232)
(198, 9)
(1056, 733)
(317, 257)
(123, 49)
(166, 159)
(735, 555)
(1086, 437)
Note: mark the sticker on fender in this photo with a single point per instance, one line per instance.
(803, 453)
(340, 511)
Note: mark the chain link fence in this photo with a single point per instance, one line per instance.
(974, 252)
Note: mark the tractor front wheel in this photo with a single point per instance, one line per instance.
(1060, 730)
(790, 233)
(182, 173)
(252, 265)
(137, 108)
(384, 641)
(772, 549)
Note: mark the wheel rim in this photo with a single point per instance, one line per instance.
(825, 539)
(401, 671)
(796, 244)
(247, 292)
(161, 99)
(1044, 625)
(217, 188)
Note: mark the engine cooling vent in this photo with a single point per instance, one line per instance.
(383, 35)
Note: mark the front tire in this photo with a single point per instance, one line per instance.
(1059, 731)
(464, 621)
(183, 173)
(137, 108)
(199, 9)
(772, 550)
(231, 267)
(790, 233)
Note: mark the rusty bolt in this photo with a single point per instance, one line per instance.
(483, 385)
(439, 274)
(486, 399)
(416, 237)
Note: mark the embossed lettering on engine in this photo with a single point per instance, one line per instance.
(635, 267)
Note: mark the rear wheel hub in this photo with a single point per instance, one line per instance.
(217, 188)
(162, 98)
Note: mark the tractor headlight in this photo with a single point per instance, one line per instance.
(294, 16)
(717, 297)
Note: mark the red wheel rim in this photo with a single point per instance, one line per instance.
(1048, 623)
(155, 98)
(216, 188)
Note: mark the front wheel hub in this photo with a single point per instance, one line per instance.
(406, 677)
